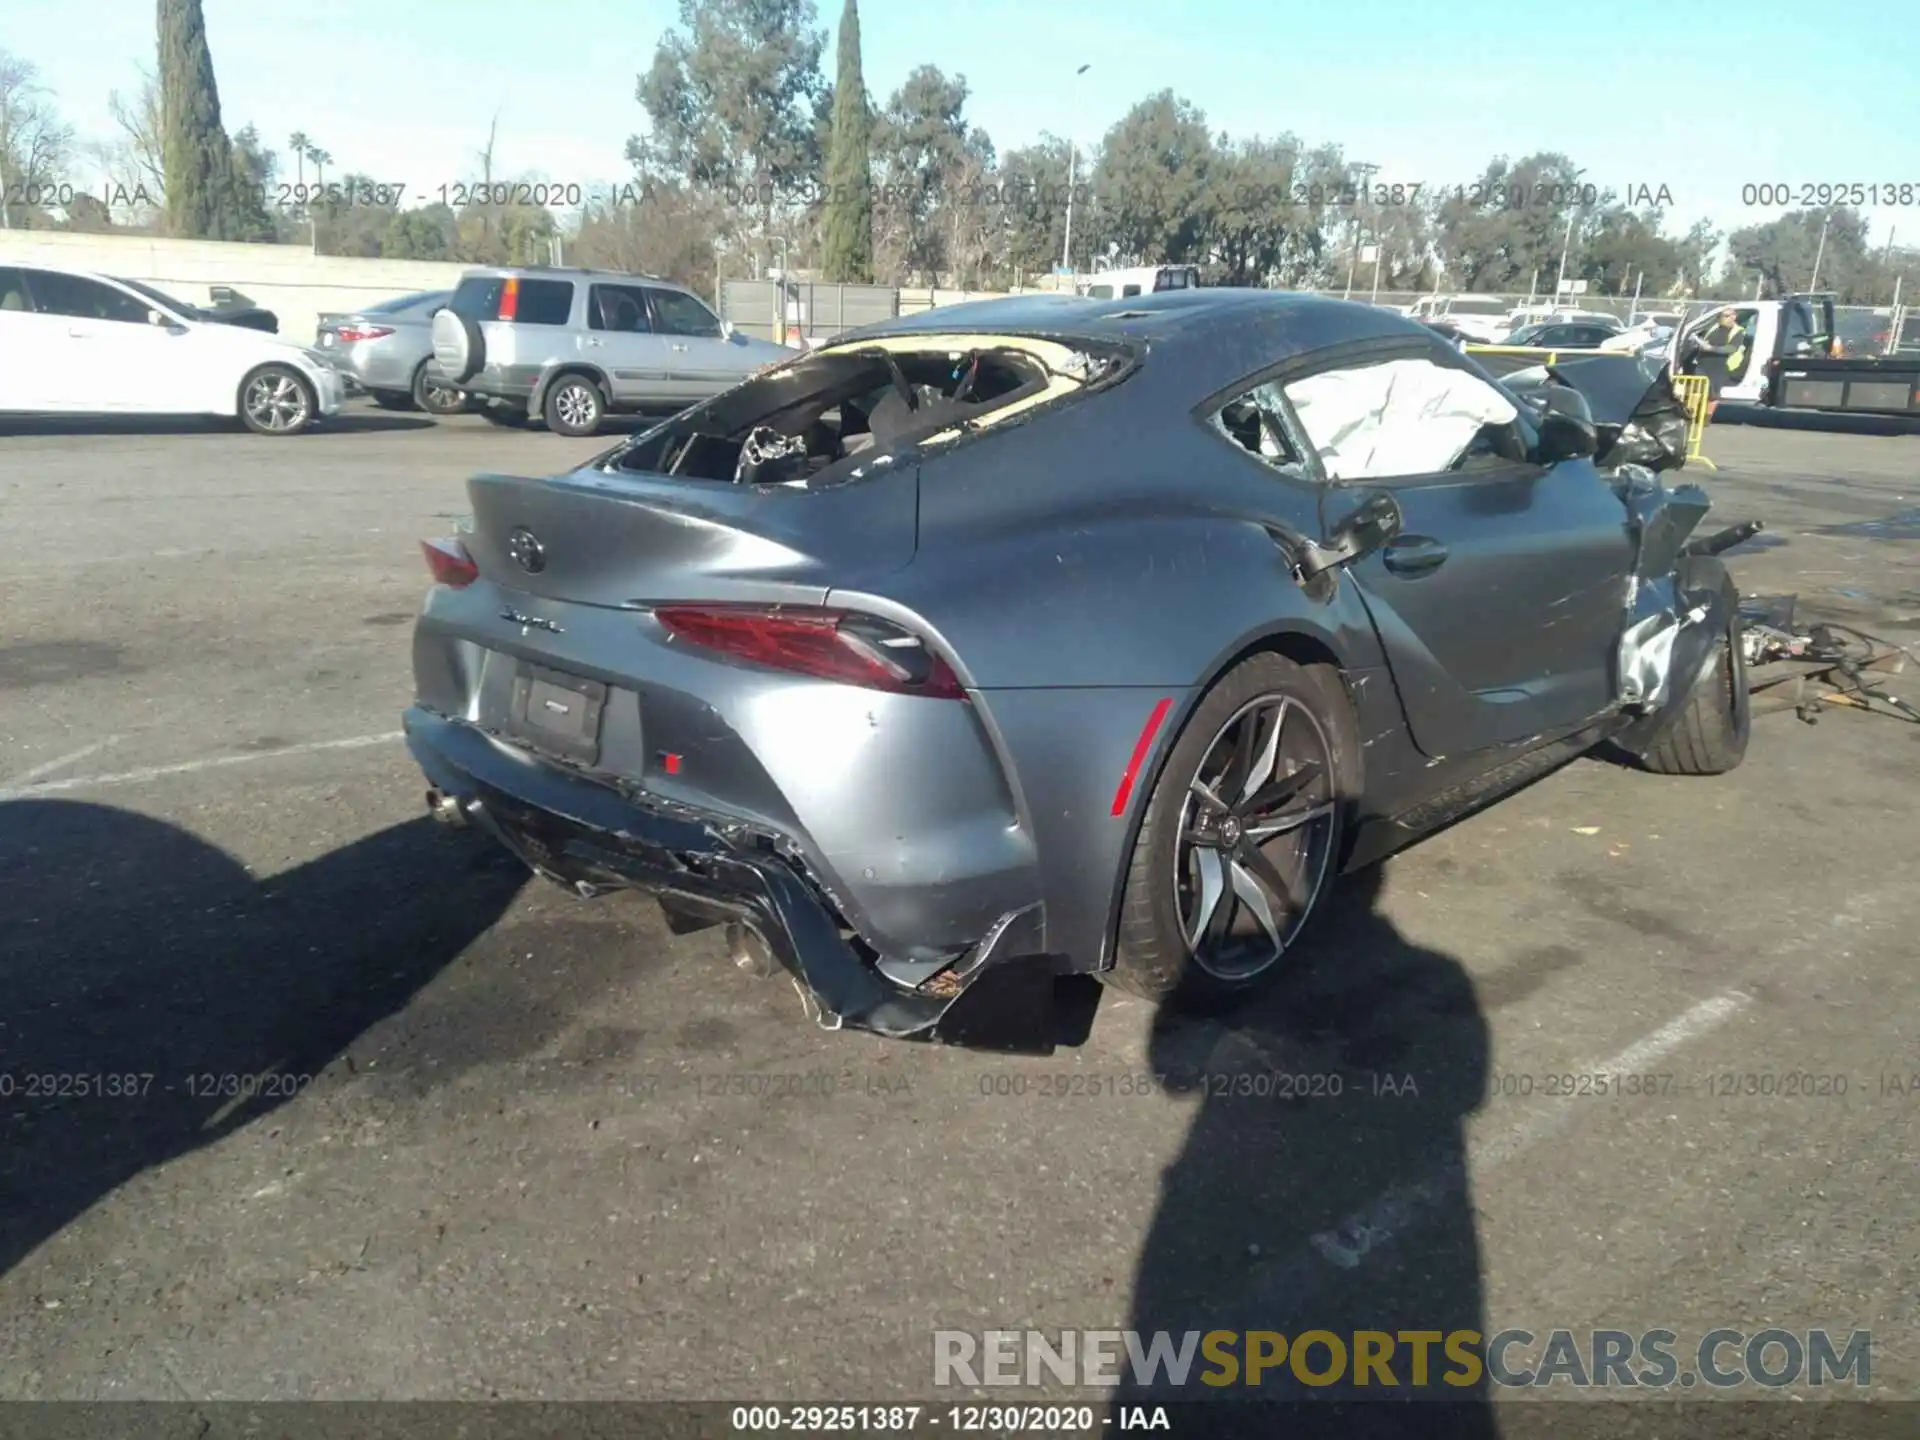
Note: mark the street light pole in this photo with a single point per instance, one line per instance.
(1820, 251)
(1073, 125)
(1566, 244)
(1366, 172)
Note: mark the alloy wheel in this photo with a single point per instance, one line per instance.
(277, 401)
(1255, 838)
(577, 406)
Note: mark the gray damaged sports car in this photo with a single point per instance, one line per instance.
(1035, 636)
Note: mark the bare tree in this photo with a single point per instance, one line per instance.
(134, 161)
(34, 144)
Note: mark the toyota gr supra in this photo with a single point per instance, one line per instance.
(1033, 637)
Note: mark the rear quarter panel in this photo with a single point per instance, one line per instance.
(1083, 568)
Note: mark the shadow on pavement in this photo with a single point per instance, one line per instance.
(143, 967)
(350, 421)
(1323, 1187)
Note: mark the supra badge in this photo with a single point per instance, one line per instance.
(526, 551)
(530, 622)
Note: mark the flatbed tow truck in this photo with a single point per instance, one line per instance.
(1791, 361)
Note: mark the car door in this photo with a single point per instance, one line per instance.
(701, 361)
(1500, 603)
(620, 339)
(113, 359)
(25, 339)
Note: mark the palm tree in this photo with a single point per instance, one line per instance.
(300, 145)
(321, 159)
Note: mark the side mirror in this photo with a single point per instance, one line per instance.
(1566, 426)
(1372, 525)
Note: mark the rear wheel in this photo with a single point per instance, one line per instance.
(1241, 835)
(574, 406)
(276, 400)
(436, 395)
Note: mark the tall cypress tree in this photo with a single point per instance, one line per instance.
(201, 183)
(848, 241)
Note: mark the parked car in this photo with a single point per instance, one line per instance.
(1139, 280)
(1482, 318)
(1563, 335)
(75, 342)
(386, 349)
(573, 346)
(956, 654)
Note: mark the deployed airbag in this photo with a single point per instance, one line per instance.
(1437, 412)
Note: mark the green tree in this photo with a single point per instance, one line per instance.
(731, 97)
(428, 233)
(1032, 192)
(198, 157)
(1155, 181)
(849, 219)
(1783, 253)
(930, 153)
(254, 171)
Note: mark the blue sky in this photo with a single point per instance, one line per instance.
(405, 89)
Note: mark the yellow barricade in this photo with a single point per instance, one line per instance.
(1695, 392)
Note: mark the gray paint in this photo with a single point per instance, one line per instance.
(1076, 568)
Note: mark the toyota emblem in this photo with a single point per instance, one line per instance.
(527, 551)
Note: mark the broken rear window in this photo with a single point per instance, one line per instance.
(823, 418)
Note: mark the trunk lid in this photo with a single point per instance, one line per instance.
(595, 538)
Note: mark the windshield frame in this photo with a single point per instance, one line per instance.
(179, 309)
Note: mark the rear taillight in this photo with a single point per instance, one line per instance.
(352, 333)
(450, 563)
(509, 299)
(827, 644)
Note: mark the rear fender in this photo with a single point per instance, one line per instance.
(536, 402)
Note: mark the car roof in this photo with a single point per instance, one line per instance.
(565, 272)
(1199, 341)
(1211, 336)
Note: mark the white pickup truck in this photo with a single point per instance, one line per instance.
(1790, 360)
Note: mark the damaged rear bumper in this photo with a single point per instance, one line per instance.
(590, 837)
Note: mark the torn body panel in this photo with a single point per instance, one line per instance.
(1660, 606)
(1638, 416)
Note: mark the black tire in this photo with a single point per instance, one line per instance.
(435, 395)
(1154, 958)
(392, 400)
(505, 416)
(277, 400)
(1708, 733)
(574, 405)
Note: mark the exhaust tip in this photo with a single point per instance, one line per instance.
(446, 809)
(748, 951)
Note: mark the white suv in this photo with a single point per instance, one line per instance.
(571, 346)
(76, 343)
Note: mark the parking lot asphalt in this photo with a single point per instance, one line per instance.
(512, 1143)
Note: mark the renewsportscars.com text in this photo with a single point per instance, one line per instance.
(1447, 1361)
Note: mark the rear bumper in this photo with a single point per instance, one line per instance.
(590, 837)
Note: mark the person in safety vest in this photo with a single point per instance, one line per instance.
(1720, 354)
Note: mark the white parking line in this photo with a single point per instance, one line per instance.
(1293, 1284)
(28, 777)
(1348, 1243)
(191, 767)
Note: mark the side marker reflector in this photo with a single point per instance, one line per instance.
(1141, 749)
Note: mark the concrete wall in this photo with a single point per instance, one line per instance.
(289, 280)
